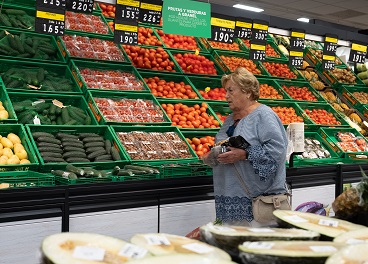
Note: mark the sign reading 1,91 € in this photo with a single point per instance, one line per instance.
(126, 33)
(83, 6)
(259, 31)
(358, 52)
(243, 28)
(150, 11)
(50, 21)
(127, 10)
(222, 28)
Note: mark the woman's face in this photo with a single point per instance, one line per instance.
(235, 96)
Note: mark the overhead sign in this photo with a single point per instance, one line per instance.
(358, 52)
(50, 21)
(329, 52)
(297, 44)
(150, 11)
(257, 52)
(127, 10)
(126, 33)
(222, 28)
(243, 28)
(188, 18)
(259, 30)
(296, 59)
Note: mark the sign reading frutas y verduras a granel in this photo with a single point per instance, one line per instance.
(188, 18)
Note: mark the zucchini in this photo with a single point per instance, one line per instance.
(74, 154)
(94, 144)
(66, 136)
(106, 157)
(51, 154)
(77, 171)
(115, 154)
(36, 135)
(93, 139)
(48, 145)
(65, 174)
(49, 149)
(49, 140)
(74, 159)
(108, 146)
(70, 149)
(93, 149)
(52, 159)
(95, 154)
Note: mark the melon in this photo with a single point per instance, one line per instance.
(353, 237)
(182, 259)
(354, 254)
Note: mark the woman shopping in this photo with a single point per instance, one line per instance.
(257, 169)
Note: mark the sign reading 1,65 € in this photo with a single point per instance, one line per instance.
(222, 28)
(150, 11)
(50, 21)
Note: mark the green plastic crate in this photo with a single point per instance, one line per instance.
(270, 42)
(206, 43)
(78, 65)
(289, 83)
(299, 77)
(55, 69)
(218, 68)
(30, 15)
(333, 81)
(104, 131)
(77, 101)
(203, 84)
(317, 62)
(177, 78)
(92, 55)
(326, 107)
(364, 111)
(243, 57)
(220, 108)
(191, 169)
(26, 179)
(20, 131)
(329, 136)
(134, 96)
(51, 40)
(191, 103)
(4, 98)
(348, 93)
(155, 161)
(275, 84)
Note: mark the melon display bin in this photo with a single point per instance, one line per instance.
(126, 108)
(107, 76)
(48, 164)
(38, 77)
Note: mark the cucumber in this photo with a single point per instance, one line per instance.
(40, 107)
(72, 140)
(93, 149)
(140, 168)
(123, 172)
(4, 20)
(59, 121)
(89, 172)
(41, 75)
(95, 154)
(47, 50)
(71, 122)
(83, 135)
(71, 144)
(19, 44)
(11, 41)
(77, 171)
(51, 154)
(93, 139)
(28, 49)
(49, 140)
(70, 149)
(138, 172)
(52, 159)
(94, 144)
(88, 120)
(65, 115)
(74, 154)
(49, 149)
(36, 135)
(66, 136)
(75, 116)
(108, 146)
(15, 12)
(48, 145)
(65, 174)
(104, 158)
(74, 159)
(115, 154)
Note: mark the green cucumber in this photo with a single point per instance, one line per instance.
(89, 172)
(140, 168)
(74, 149)
(42, 106)
(52, 159)
(41, 75)
(49, 140)
(28, 49)
(4, 20)
(71, 122)
(51, 154)
(19, 44)
(48, 145)
(95, 154)
(83, 135)
(88, 120)
(59, 121)
(65, 115)
(15, 12)
(71, 144)
(108, 146)
(65, 174)
(75, 116)
(123, 172)
(66, 136)
(94, 144)
(36, 135)
(115, 154)
(49, 149)
(77, 171)
(47, 50)
(75, 159)
(93, 139)
(104, 158)
(75, 154)
(93, 149)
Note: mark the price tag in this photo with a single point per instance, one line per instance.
(243, 28)
(150, 11)
(257, 52)
(296, 59)
(54, 4)
(353, 241)
(50, 22)
(126, 34)
(295, 219)
(328, 62)
(219, 227)
(222, 28)
(127, 10)
(198, 248)
(323, 248)
(36, 121)
(259, 31)
(261, 230)
(358, 52)
(330, 45)
(157, 240)
(297, 40)
(89, 253)
(83, 6)
(259, 245)
(326, 222)
(133, 251)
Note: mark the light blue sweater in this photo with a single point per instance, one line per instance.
(264, 171)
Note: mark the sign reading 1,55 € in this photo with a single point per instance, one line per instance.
(222, 28)
(150, 11)
(358, 52)
(50, 21)
(127, 10)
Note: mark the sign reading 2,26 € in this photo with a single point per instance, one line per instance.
(222, 28)
(150, 11)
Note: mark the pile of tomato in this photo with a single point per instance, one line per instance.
(184, 116)
(108, 10)
(147, 37)
(279, 70)
(225, 46)
(178, 41)
(287, 114)
(170, 89)
(214, 94)
(299, 93)
(201, 145)
(193, 63)
(221, 117)
(233, 62)
(268, 92)
(322, 117)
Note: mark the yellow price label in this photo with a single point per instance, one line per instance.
(296, 53)
(329, 58)
(128, 3)
(151, 7)
(225, 23)
(196, 52)
(243, 24)
(331, 40)
(49, 15)
(359, 47)
(257, 47)
(128, 28)
(260, 26)
(298, 34)
(207, 89)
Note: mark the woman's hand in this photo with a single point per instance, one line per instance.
(232, 156)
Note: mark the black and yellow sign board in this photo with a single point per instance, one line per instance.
(243, 28)
(222, 28)
(257, 52)
(126, 33)
(259, 31)
(82, 6)
(127, 10)
(358, 52)
(50, 21)
(150, 11)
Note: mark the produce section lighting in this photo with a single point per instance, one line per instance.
(249, 8)
(303, 19)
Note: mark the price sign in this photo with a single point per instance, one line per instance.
(150, 11)
(83, 6)
(126, 34)
(127, 10)
(243, 28)
(330, 45)
(328, 62)
(50, 22)
(297, 40)
(296, 59)
(358, 52)
(222, 28)
(54, 4)
(257, 52)
(259, 31)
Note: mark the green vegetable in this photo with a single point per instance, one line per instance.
(95, 154)
(115, 154)
(93, 149)
(49, 140)
(75, 159)
(70, 149)
(94, 144)
(65, 174)
(74, 169)
(49, 149)
(74, 154)
(51, 154)
(93, 139)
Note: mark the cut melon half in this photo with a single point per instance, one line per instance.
(352, 254)
(165, 244)
(327, 226)
(353, 237)
(182, 259)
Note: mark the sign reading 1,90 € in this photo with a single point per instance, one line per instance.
(150, 11)
(358, 52)
(126, 33)
(222, 28)
(329, 50)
